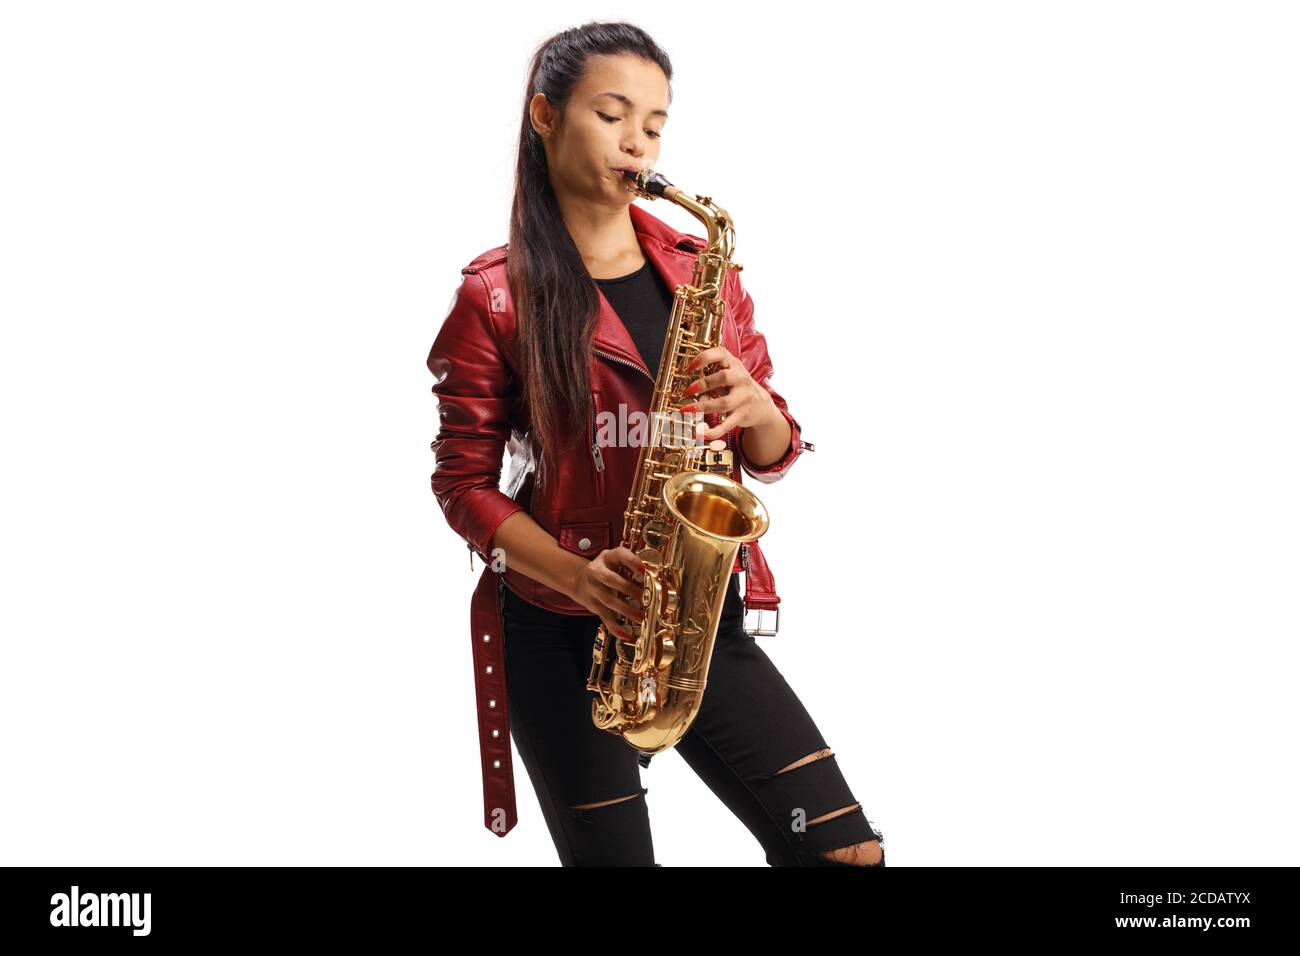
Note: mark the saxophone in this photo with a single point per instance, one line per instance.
(686, 517)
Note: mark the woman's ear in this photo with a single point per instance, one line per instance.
(541, 115)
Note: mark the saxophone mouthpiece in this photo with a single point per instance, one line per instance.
(648, 183)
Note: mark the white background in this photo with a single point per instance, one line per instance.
(1028, 277)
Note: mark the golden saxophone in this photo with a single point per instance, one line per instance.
(685, 519)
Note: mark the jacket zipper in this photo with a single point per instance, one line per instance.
(596, 455)
(623, 361)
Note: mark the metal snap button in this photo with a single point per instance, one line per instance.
(584, 544)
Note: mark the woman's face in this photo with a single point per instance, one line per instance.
(614, 119)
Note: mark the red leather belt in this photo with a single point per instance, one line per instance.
(487, 634)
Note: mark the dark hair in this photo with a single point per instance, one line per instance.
(556, 301)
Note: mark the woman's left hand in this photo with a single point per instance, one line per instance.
(730, 391)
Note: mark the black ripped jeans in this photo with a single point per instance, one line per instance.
(750, 726)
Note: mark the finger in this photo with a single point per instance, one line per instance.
(613, 627)
(634, 566)
(630, 622)
(630, 605)
(628, 600)
(717, 354)
(719, 404)
(614, 617)
(627, 571)
(713, 433)
(695, 398)
(610, 578)
(722, 378)
(715, 383)
(703, 384)
(615, 583)
(630, 558)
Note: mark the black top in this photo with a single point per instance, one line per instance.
(644, 302)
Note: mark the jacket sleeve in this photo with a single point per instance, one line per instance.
(471, 376)
(753, 353)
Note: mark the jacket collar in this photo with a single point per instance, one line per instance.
(660, 243)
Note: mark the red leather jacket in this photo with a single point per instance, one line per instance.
(479, 411)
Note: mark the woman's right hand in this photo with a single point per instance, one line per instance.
(602, 590)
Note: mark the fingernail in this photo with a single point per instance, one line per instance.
(687, 408)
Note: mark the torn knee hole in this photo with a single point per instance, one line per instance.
(605, 803)
(833, 814)
(819, 755)
(867, 853)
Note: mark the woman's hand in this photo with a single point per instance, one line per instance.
(730, 391)
(601, 589)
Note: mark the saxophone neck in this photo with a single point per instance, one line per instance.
(649, 184)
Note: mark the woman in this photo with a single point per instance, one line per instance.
(543, 347)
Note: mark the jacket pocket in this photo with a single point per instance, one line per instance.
(587, 538)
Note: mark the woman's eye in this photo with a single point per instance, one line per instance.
(614, 119)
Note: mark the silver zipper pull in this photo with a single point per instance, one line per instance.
(806, 445)
(471, 554)
(595, 446)
(744, 557)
